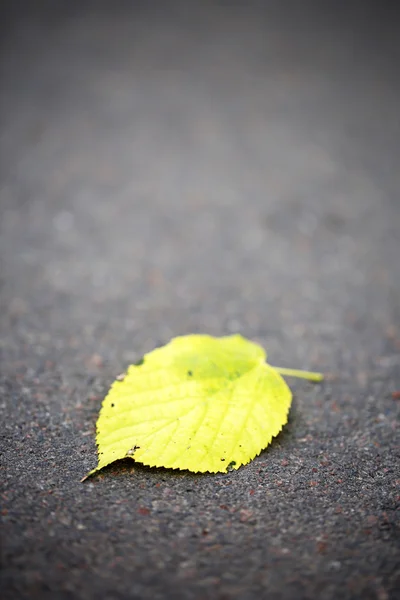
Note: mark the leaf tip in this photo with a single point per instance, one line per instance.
(90, 474)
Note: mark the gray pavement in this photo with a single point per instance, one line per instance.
(200, 167)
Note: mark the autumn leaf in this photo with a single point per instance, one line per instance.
(199, 403)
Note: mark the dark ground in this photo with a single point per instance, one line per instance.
(209, 167)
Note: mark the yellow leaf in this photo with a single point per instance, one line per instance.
(199, 403)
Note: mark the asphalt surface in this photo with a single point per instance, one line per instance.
(200, 167)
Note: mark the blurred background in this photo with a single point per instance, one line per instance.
(216, 166)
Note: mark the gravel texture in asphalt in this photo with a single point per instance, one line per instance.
(209, 167)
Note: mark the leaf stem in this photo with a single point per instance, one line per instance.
(310, 375)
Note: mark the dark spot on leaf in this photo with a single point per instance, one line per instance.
(222, 460)
(139, 362)
(232, 463)
(190, 373)
(132, 451)
(112, 405)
